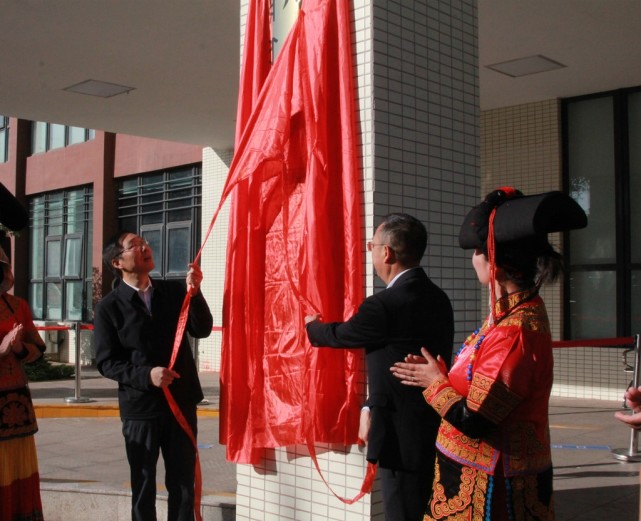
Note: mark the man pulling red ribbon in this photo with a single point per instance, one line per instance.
(158, 388)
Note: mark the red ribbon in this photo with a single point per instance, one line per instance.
(366, 487)
(175, 409)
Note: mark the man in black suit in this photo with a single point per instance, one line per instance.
(410, 313)
(134, 330)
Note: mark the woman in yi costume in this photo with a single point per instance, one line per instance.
(493, 459)
(20, 343)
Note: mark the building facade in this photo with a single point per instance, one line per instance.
(426, 148)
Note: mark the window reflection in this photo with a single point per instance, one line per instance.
(593, 304)
(179, 251)
(53, 258)
(60, 225)
(164, 208)
(73, 256)
(49, 136)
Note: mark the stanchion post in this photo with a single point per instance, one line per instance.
(77, 398)
(632, 452)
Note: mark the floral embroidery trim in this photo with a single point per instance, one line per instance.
(467, 451)
(491, 398)
(443, 397)
(17, 417)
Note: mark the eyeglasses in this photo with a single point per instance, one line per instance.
(371, 245)
(137, 245)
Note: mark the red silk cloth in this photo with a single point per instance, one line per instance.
(295, 244)
(175, 409)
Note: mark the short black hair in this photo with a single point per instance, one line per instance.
(113, 249)
(529, 262)
(407, 237)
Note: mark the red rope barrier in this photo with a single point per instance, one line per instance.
(597, 342)
(64, 328)
(53, 328)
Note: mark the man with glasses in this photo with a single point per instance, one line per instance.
(412, 312)
(134, 330)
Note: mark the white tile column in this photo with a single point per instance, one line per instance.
(418, 97)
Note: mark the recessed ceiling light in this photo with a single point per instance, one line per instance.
(101, 89)
(525, 66)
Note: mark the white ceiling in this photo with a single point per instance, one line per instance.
(182, 59)
(598, 40)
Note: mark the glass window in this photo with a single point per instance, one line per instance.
(73, 291)
(56, 136)
(37, 238)
(55, 214)
(49, 136)
(60, 256)
(75, 211)
(591, 174)
(593, 304)
(53, 258)
(634, 138)
(36, 300)
(129, 224)
(164, 208)
(179, 197)
(179, 253)
(88, 300)
(636, 301)
(39, 137)
(90, 273)
(3, 145)
(54, 301)
(73, 256)
(77, 135)
(154, 237)
(4, 139)
(152, 195)
(603, 172)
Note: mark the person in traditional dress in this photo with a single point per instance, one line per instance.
(493, 458)
(20, 344)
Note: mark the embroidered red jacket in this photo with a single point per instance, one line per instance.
(508, 392)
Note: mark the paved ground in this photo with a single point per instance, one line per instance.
(80, 444)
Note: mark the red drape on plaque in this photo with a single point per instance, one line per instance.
(257, 61)
(294, 247)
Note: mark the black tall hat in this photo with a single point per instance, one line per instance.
(511, 221)
(12, 214)
(520, 217)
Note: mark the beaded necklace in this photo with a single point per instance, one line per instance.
(492, 323)
(477, 345)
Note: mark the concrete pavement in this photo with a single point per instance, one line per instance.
(85, 476)
(83, 468)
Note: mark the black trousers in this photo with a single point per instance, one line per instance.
(144, 440)
(405, 494)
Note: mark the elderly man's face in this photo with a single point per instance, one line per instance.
(378, 248)
(136, 255)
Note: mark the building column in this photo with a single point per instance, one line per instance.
(216, 165)
(418, 96)
(20, 146)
